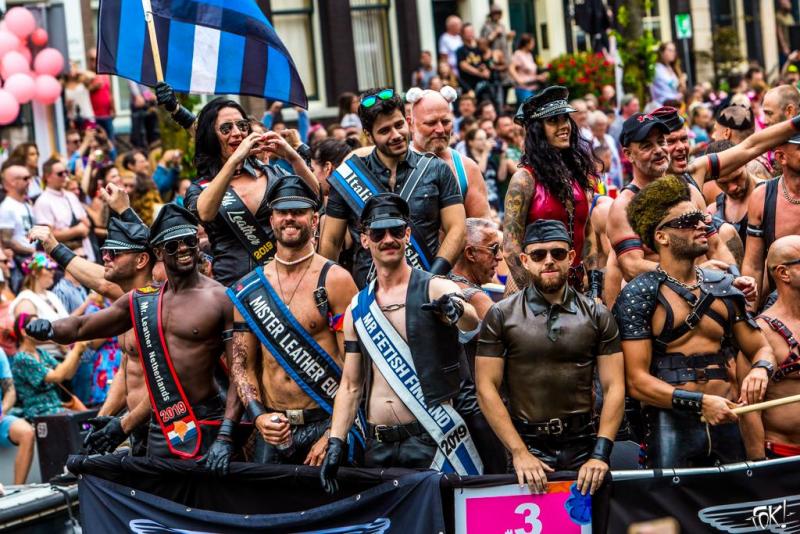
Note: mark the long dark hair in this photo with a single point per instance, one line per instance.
(207, 155)
(555, 168)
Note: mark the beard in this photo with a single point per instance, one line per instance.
(551, 285)
(686, 249)
(298, 241)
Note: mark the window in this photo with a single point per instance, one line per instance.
(370, 19)
(293, 22)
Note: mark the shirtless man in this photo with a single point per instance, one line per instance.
(291, 398)
(127, 264)
(187, 405)
(730, 205)
(773, 211)
(401, 335)
(644, 144)
(431, 123)
(680, 325)
(775, 433)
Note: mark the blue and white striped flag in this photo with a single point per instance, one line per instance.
(206, 46)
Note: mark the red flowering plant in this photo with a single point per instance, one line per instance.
(581, 73)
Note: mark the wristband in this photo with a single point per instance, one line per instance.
(596, 279)
(440, 266)
(796, 122)
(226, 428)
(687, 401)
(305, 152)
(602, 449)
(127, 215)
(734, 270)
(62, 255)
(183, 117)
(254, 409)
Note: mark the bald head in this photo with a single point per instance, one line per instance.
(783, 250)
(780, 103)
(431, 123)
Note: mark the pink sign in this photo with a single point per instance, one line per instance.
(510, 509)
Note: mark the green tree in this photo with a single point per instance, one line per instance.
(637, 47)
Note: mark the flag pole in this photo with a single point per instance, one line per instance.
(151, 30)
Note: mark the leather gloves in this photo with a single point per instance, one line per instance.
(40, 329)
(218, 457)
(448, 306)
(330, 466)
(106, 434)
(166, 97)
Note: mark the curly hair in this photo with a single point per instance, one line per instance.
(555, 168)
(651, 204)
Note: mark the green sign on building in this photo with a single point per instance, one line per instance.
(683, 25)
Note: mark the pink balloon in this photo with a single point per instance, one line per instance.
(20, 21)
(14, 62)
(48, 89)
(39, 37)
(48, 61)
(26, 52)
(21, 86)
(9, 107)
(8, 42)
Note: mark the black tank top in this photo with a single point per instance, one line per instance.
(719, 216)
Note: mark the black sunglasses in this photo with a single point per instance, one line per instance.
(370, 100)
(494, 250)
(558, 254)
(62, 173)
(376, 235)
(243, 125)
(111, 253)
(171, 247)
(685, 221)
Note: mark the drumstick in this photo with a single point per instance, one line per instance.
(757, 407)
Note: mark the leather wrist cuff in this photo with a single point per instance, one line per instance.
(596, 278)
(440, 266)
(226, 428)
(796, 122)
(335, 442)
(183, 117)
(254, 409)
(602, 449)
(687, 401)
(62, 255)
(305, 152)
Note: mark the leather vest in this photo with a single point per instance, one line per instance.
(434, 346)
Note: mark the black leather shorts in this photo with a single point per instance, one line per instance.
(677, 439)
(211, 409)
(413, 452)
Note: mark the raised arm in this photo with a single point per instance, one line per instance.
(109, 322)
(517, 203)
(276, 144)
(715, 165)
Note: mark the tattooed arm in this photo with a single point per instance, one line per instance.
(9, 393)
(590, 245)
(233, 405)
(244, 362)
(518, 199)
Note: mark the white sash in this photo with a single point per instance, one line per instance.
(392, 356)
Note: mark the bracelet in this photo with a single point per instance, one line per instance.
(226, 428)
(602, 449)
(796, 122)
(62, 255)
(254, 409)
(687, 401)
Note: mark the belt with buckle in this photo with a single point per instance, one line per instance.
(555, 426)
(302, 417)
(391, 434)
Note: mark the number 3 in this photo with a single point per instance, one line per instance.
(530, 512)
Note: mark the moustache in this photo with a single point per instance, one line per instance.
(391, 246)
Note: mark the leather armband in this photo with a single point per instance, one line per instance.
(687, 401)
(796, 122)
(62, 255)
(183, 117)
(241, 326)
(440, 266)
(627, 245)
(226, 429)
(254, 409)
(352, 346)
(713, 167)
(602, 449)
(755, 231)
(227, 335)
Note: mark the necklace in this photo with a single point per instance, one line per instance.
(463, 279)
(691, 287)
(294, 262)
(393, 307)
(786, 194)
(280, 287)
